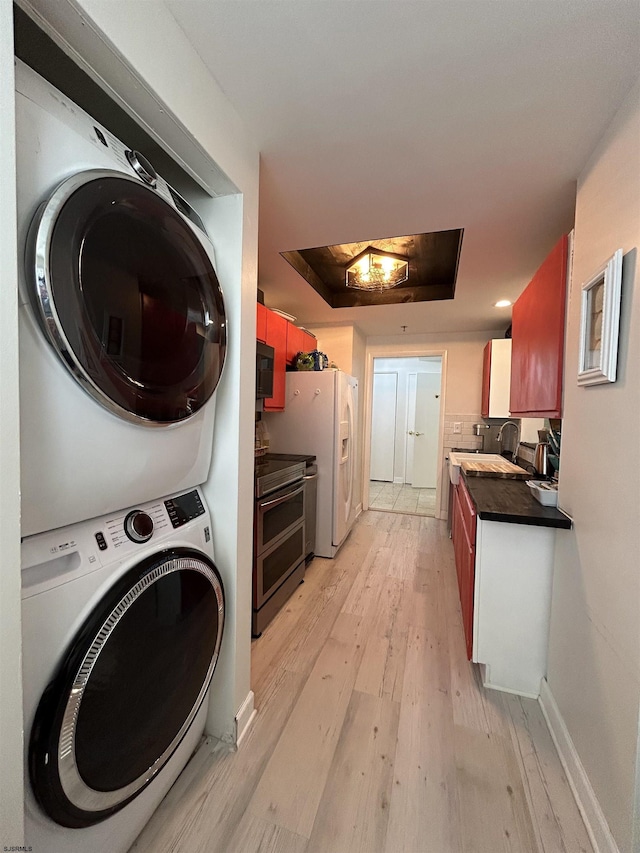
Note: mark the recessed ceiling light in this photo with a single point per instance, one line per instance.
(502, 303)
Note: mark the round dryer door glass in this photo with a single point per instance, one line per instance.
(130, 686)
(129, 298)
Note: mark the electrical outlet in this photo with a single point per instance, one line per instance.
(457, 427)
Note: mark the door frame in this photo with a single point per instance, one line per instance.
(400, 350)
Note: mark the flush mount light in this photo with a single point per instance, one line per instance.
(376, 270)
(502, 303)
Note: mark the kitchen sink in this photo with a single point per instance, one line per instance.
(457, 458)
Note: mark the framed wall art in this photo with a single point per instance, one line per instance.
(599, 323)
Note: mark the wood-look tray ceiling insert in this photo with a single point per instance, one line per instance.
(433, 268)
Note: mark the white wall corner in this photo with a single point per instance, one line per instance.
(245, 716)
(584, 795)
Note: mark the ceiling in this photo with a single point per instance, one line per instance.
(376, 118)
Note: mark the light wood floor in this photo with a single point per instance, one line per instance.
(373, 732)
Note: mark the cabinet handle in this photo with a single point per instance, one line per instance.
(411, 432)
(419, 433)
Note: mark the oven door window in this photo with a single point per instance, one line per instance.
(128, 297)
(278, 513)
(274, 567)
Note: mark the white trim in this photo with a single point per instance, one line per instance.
(399, 481)
(584, 795)
(245, 716)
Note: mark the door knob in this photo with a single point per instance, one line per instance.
(411, 432)
(419, 433)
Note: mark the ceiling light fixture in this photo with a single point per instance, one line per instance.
(376, 270)
(502, 303)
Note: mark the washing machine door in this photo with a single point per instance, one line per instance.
(126, 293)
(128, 688)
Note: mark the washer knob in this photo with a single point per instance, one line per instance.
(142, 167)
(138, 526)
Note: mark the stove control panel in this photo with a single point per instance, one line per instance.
(184, 508)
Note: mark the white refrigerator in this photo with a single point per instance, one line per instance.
(320, 418)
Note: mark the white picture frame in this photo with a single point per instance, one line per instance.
(600, 323)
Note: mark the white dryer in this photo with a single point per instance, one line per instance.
(122, 622)
(122, 320)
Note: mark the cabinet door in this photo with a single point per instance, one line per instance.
(261, 323)
(486, 379)
(468, 576)
(538, 340)
(277, 338)
(309, 342)
(463, 533)
(295, 342)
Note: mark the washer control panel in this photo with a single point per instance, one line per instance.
(184, 508)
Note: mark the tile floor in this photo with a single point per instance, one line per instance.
(401, 497)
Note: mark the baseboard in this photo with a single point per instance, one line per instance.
(358, 510)
(585, 797)
(245, 716)
(398, 480)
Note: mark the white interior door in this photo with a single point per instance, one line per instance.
(427, 420)
(411, 426)
(383, 426)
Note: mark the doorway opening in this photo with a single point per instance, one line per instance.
(405, 434)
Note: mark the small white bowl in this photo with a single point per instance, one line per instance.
(544, 492)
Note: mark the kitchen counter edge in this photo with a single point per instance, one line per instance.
(500, 499)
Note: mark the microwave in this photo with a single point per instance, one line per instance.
(264, 370)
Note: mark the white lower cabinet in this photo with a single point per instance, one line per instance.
(512, 604)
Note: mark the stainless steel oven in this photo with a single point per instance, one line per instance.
(279, 537)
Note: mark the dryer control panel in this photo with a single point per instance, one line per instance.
(184, 508)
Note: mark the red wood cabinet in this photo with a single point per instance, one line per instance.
(538, 340)
(287, 341)
(298, 341)
(463, 533)
(276, 337)
(261, 322)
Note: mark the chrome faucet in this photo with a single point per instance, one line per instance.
(517, 441)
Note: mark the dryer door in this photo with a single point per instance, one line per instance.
(128, 688)
(126, 293)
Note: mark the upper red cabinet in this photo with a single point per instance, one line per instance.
(298, 341)
(287, 341)
(261, 322)
(538, 340)
(277, 338)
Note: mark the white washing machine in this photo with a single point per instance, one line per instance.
(122, 320)
(122, 620)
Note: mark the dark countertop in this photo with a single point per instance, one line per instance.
(498, 499)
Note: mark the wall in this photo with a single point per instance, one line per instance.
(200, 129)
(594, 652)
(11, 810)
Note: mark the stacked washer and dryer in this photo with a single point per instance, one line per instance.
(122, 344)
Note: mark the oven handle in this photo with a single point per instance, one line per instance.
(281, 500)
(310, 477)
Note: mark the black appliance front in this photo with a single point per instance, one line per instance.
(265, 356)
(128, 688)
(127, 295)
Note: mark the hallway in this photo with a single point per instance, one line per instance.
(401, 497)
(373, 732)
